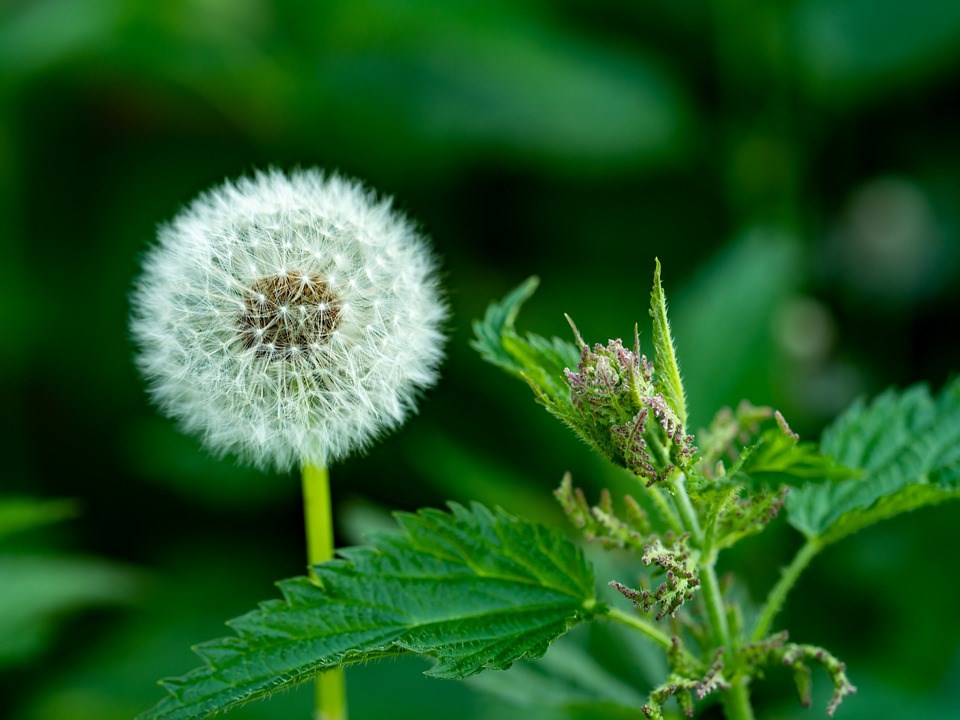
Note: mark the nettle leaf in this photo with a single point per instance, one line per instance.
(667, 380)
(538, 361)
(778, 459)
(473, 589)
(908, 446)
(910, 497)
(498, 322)
(614, 400)
(535, 359)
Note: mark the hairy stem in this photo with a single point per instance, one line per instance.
(665, 510)
(778, 593)
(736, 701)
(663, 505)
(716, 612)
(644, 626)
(331, 691)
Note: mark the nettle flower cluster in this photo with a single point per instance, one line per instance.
(696, 500)
(474, 589)
(288, 319)
(615, 386)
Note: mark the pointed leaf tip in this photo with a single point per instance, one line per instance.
(667, 380)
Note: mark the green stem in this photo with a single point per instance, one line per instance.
(664, 507)
(736, 701)
(331, 692)
(778, 593)
(685, 508)
(716, 612)
(644, 626)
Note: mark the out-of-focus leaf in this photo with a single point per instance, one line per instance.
(502, 75)
(23, 513)
(566, 677)
(566, 684)
(850, 48)
(465, 473)
(723, 321)
(43, 32)
(160, 454)
(36, 591)
(472, 589)
(908, 445)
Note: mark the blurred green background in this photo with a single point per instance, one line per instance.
(794, 164)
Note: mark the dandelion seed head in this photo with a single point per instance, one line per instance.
(288, 319)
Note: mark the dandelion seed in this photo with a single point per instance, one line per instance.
(289, 319)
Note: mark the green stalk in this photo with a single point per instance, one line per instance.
(330, 701)
(736, 700)
(778, 593)
(644, 626)
(654, 492)
(664, 507)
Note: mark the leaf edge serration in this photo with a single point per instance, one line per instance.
(343, 583)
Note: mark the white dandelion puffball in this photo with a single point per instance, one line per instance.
(288, 319)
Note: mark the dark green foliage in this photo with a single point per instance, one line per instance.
(473, 589)
(907, 444)
(24, 513)
(39, 590)
(778, 459)
(576, 140)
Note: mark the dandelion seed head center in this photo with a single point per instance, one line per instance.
(288, 313)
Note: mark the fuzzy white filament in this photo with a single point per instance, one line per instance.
(289, 319)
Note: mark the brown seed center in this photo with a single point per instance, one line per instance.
(288, 314)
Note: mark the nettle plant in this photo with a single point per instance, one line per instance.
(477, 589)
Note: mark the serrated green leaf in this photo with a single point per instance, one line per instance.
(777, 459)
(667, 380)
(538, 361)
(902, 441)
(499, 322)
(910, 497)
(23, 513)
(472, 589)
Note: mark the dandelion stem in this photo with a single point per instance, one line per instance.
(331, 691)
